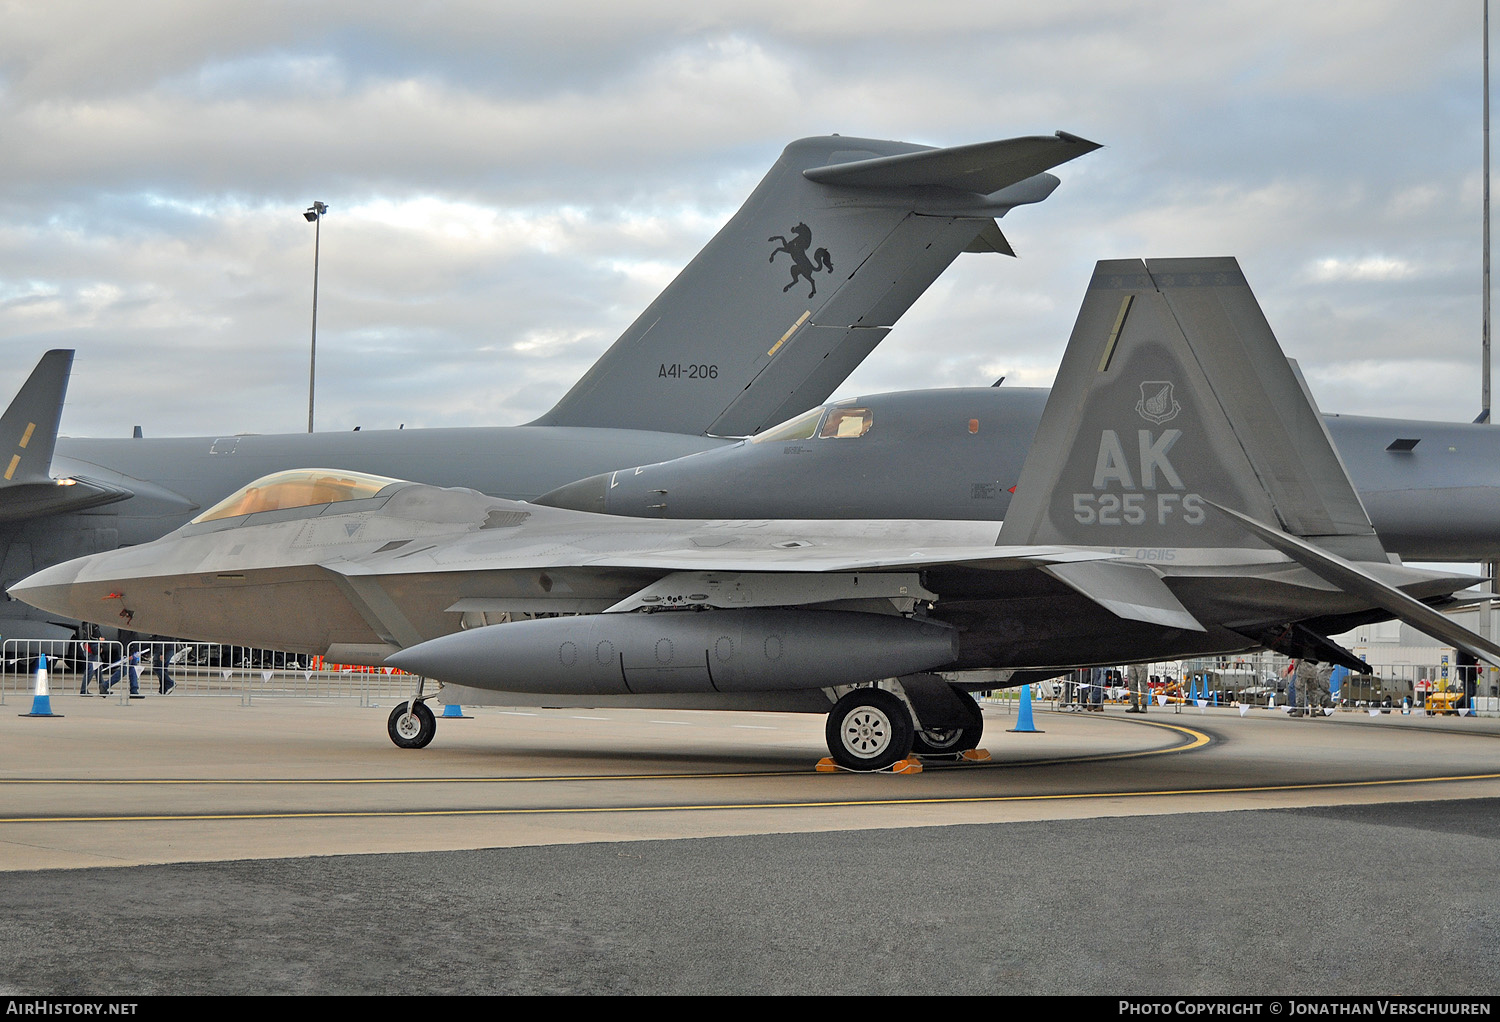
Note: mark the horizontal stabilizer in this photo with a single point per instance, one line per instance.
(1354, 580)
(1130, 591)
(56, 496)
(1300, 642)
(983, 167)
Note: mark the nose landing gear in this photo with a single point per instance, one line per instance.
(412, 725)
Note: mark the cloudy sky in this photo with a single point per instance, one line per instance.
(511, 184)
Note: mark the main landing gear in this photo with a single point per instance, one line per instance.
(869, 729)
(950, 741)
(873, 729)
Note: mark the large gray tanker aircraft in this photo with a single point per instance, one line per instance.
(836, 242)
(1432, 489)
(1181, 498)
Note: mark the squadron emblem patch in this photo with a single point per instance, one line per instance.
(1157, 403)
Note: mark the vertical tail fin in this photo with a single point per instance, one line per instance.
(806, 279)
(28, 429)
(28, 435)
(1173, 397)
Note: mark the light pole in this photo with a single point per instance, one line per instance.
(314, 215)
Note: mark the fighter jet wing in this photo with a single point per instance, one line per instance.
(811, 559)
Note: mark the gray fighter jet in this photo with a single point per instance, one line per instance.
(1181, 499)
(1432, 489)
(837, 241)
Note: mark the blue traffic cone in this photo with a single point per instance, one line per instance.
(1024, 724)
(455, 710)
(41, 701)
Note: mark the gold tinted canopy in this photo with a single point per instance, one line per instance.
(298, 487)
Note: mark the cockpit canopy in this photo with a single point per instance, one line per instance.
(298, 487)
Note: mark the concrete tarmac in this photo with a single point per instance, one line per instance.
(193, 845)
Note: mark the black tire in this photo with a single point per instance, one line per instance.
(411, 730)
(869, 729)
(950, 741)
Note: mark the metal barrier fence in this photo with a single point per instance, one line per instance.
(1260, 680)
(192, 669)
(71, 665)
(209, 669)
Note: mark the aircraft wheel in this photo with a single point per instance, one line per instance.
(869, 729)
(947, 741)
(412, 729)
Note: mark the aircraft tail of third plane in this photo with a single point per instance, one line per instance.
(837, 241)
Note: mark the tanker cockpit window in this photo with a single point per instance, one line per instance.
(843, 423)
(803, 427)
(302, 487)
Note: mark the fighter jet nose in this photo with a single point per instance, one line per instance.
(585, 495)
(50, 589)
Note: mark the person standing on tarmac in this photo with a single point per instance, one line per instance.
(1140, 688)
(130, 662)
(161, 661)
(92, 667)
(1324, 688)
(1309, 699)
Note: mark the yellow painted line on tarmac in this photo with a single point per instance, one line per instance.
(516, 779)
(1194, 740)
(723, 806)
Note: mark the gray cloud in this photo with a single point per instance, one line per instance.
(510, 188)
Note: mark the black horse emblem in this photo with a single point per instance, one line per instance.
(801, 265)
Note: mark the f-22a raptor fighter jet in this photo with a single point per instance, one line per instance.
(1181, 498)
